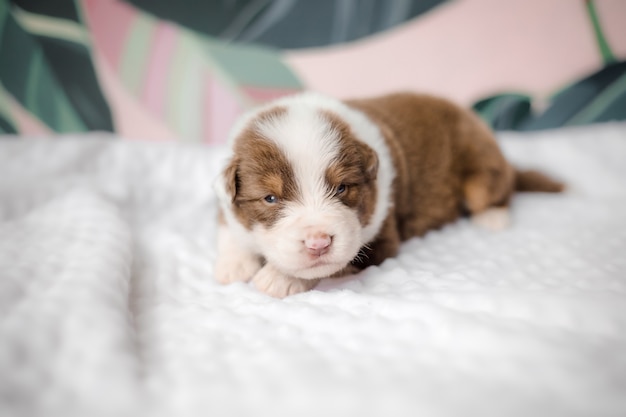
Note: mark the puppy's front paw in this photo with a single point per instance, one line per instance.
(493, 218)
(230, 268)
(276, 284)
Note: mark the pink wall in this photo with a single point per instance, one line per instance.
(468, 49)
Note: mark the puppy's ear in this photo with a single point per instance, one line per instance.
(227, 183)
(370, 162)
(231, 178)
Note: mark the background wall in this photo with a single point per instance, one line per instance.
(509, 58)
(468, 48)
(185, 70)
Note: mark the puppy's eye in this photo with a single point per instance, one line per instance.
(341, 189)
(272, 199)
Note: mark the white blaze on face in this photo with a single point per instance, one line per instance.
(310, 144)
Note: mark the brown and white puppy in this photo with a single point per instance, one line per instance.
(317, 187)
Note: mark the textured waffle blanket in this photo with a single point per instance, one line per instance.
(108, 305)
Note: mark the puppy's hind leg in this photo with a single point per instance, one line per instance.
(487, 210)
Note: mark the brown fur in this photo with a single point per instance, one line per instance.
(266, 172)
(447, 162)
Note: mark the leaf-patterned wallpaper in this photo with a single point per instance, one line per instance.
(72, 66)
(185, 70)
(288, 23)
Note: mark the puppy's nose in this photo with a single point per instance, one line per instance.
(318, 243)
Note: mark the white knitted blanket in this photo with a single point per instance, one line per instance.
(108, 305)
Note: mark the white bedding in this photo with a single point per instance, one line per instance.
(108, 306)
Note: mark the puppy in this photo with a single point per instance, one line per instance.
(317, 187)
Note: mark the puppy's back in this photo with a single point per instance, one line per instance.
(436, 146)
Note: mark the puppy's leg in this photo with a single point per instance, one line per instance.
(234, 263)
(479, 200)
(276, 284)
(493, 218)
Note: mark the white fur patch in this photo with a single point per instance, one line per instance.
(310, 144)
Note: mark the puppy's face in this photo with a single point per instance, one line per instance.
(303, 187)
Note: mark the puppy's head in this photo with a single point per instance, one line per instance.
(302, 187)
